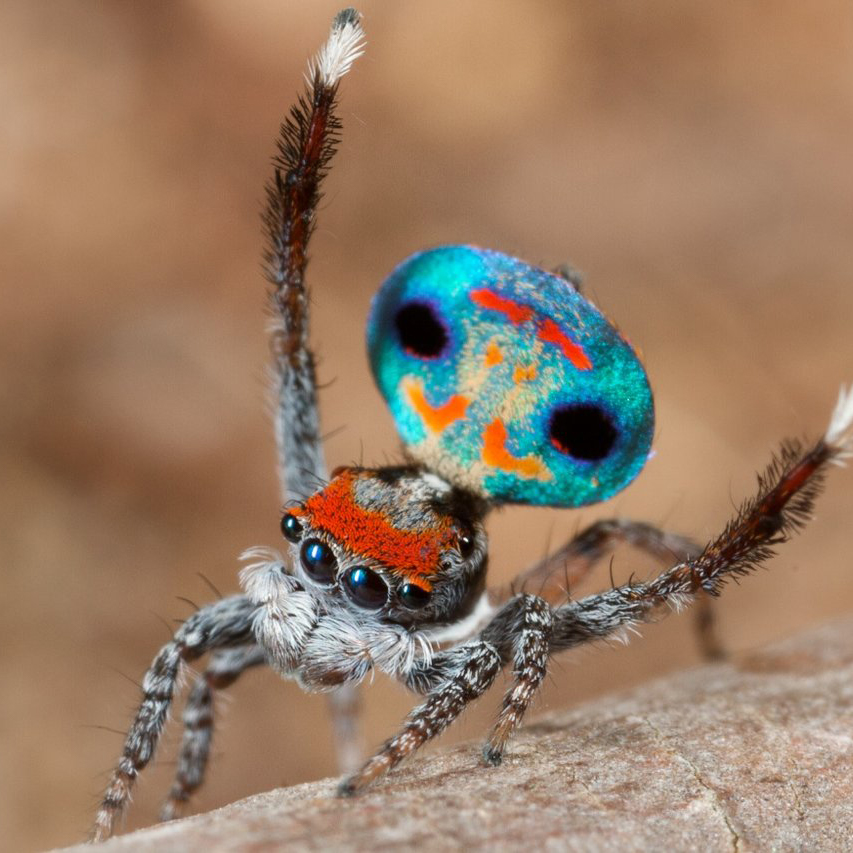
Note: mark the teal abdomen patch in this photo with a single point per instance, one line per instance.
(503, 379)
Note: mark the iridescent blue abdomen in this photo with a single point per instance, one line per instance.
(503, 379)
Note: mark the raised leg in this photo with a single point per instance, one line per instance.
(456, 678)
(553, 577)
(224, 669)
(783, 504)
(225, 624)
(306, 146)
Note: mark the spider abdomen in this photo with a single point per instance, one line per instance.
(504, 380)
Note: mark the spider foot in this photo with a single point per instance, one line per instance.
(357, 782)
(492, 755)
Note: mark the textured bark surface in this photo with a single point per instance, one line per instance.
(755, 754)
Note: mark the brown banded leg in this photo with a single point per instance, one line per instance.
(478, 665)
(224, 669)
(553, 577)
(528, 633)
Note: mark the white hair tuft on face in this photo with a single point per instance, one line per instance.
(839, 435)
(344, 45)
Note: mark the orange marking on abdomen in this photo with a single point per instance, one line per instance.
(522, 373)
(496, 454)
(437, 418)
(547, 331)
(551, 333)
(494, 356)
(514, 311)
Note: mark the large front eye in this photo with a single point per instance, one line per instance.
(583, 431)
(365, 587)
(318, 561)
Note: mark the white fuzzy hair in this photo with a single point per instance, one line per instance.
(301, 637)
(839, 434)
(344, 45)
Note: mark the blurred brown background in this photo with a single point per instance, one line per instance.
(694, 159)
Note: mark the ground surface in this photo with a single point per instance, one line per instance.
(756, 754)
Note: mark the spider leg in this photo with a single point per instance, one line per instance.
(452, 680)
(525, 624)
(344, 705)
(224, 624)
(306, 145)
(555, 575)
(224, 668)
(782, 505)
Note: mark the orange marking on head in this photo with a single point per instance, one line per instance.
(496, 454)
(368, 533)
(514, 311)
(522, 373)
(551, 333)
(437, 418)
(494, 356)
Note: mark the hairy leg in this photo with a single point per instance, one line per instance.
(306, 145)
(782, 505)
(554, 576)
(226, 623)
(224, 668)
(523, 628)
(520, 631)
(453, 680)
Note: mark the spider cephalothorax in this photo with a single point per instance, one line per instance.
(396, 542)
(506, 386)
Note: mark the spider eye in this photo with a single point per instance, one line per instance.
(584, 431)
(466, 544)
(291, 529)
(413, 596)
(365, 587)
(420, 330)
(318, 561)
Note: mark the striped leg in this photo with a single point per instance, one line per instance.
(467, 672)
(225, 624)
(224, 669)
(783, 504)
(553, 577)
(529, 633)
(306, 145)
